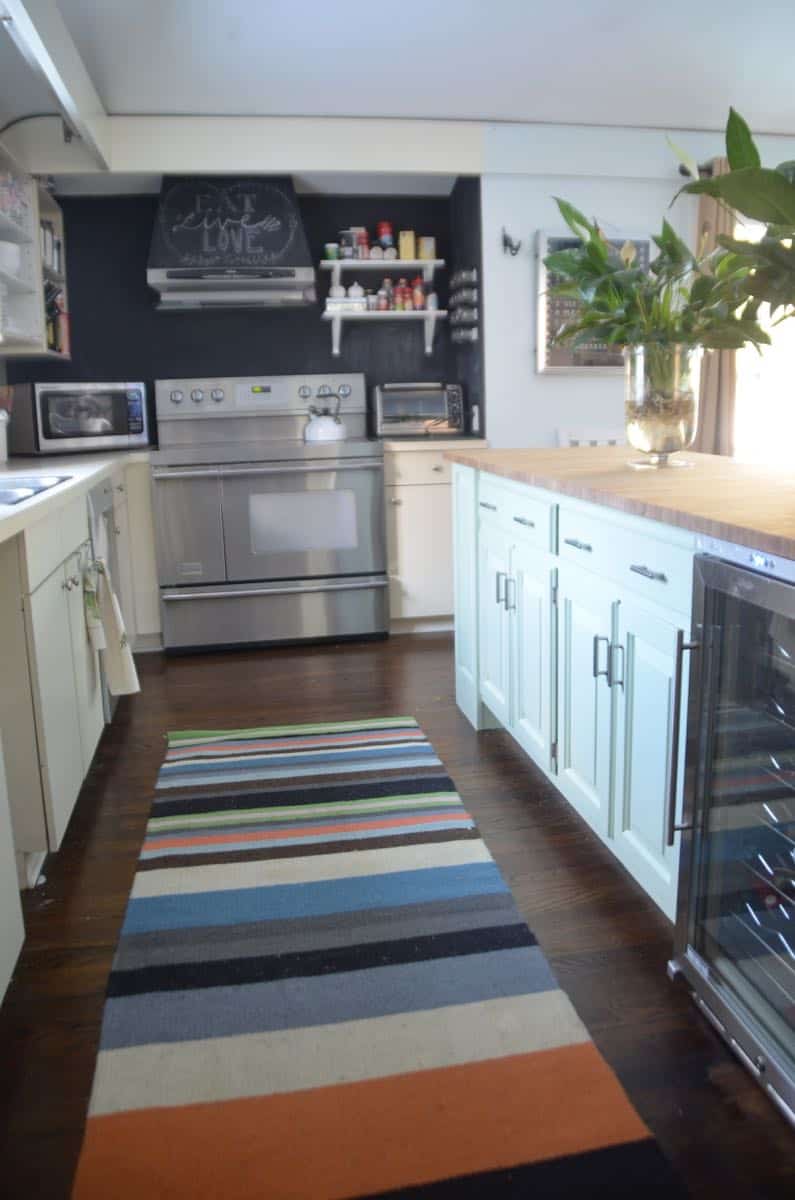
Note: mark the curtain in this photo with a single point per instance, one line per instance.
(718, 370)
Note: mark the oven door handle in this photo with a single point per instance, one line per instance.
(671, 826)
(363, 464)
(299, 590)
(166, 473)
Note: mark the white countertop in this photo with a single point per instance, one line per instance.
(84, 470)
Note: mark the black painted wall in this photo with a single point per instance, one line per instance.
(118, 334)
(466, 360)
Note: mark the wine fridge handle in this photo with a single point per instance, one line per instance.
(673, 777)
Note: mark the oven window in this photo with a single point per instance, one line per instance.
(282, 522)
(410, 405)
(83, 414)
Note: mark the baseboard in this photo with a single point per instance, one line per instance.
(422, 625)
(148, 643)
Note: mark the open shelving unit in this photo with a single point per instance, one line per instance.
(429, 317)
(23, 315)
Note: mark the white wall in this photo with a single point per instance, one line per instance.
(625, 177)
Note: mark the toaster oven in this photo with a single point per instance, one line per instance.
(418, 409)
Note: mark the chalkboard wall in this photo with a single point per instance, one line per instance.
(117, 333)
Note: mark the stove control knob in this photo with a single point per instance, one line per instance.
(324, 390)
(197, 395)
(304, 391)
(344, 391)
(217, 395)
(176, 397)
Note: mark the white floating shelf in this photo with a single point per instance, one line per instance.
(10, 231)
(337, 265)
(429, 316)
(15, 284)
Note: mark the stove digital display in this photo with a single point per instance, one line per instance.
(259, 389)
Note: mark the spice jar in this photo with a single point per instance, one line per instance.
(418, 292)
(384, 233)
(382, 301)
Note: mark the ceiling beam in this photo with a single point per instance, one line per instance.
(38, 30)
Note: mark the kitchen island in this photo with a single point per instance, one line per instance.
(573, 607)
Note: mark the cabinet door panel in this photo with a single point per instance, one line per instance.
(60, 749)
(420, 551)
(531, 610)
(466, 591)
(585, 611)
(87, 680)
(644, 710)
(494, 624)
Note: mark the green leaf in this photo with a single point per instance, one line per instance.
(787, 169)
(756, 192)
(741, 150)
(577, 223)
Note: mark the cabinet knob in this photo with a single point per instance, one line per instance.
(395, 500)
(67, 585)
(75, 580)
(438, 469)
(119, 487)
(116, 530)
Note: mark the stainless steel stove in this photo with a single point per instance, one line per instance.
(260, 536)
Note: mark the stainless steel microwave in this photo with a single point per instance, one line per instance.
(67, 418)
(418, 409)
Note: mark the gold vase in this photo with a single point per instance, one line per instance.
(661, 400)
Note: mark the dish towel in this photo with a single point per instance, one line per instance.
(106, 631)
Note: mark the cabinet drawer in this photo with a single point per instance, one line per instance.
(520, 512)
(418, 466)
(52, 540)
(655, 568)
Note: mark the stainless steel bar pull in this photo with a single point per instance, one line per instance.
(611, 679)
(597, 670)
(525, 521)
(510, 583)
(648, 573)
(673, 775)
(490, 507)
(500, 597)
(578, 545)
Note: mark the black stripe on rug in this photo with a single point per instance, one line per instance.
(362, 957)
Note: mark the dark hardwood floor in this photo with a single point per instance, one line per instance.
(606, 941)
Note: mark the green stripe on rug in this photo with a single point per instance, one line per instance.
(181, 736)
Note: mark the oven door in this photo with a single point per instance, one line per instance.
(90, 416)
(299, 520)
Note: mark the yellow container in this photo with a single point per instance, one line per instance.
(407, 244)
(427, 247)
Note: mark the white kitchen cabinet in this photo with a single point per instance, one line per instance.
(532, 584)
(585, 636)
(49, 623)
(419, 551)
(12, 928)
(580, 618)
(645, 685)
(494, 638)
(465, 597)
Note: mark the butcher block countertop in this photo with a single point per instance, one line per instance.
(738, 502)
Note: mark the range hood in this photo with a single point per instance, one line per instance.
(221, 242)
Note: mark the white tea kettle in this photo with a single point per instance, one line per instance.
(323, 425)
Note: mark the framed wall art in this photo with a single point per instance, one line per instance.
(552, 311)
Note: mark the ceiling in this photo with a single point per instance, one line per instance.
(594, 62)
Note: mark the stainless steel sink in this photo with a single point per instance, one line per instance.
(24, 487)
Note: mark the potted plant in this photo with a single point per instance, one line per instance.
(662, 318)
(763, 195)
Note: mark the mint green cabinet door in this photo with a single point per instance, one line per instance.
(494, 649)
(530, 608)
(465, 589)
(646, 642)
(585, 616)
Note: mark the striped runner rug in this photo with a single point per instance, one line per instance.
(323, 988)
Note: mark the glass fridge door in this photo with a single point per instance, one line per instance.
(742, 903)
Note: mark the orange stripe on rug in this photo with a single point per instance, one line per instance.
(359, 1138)
(306, 831)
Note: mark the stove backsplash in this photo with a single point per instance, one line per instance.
(118, 334)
